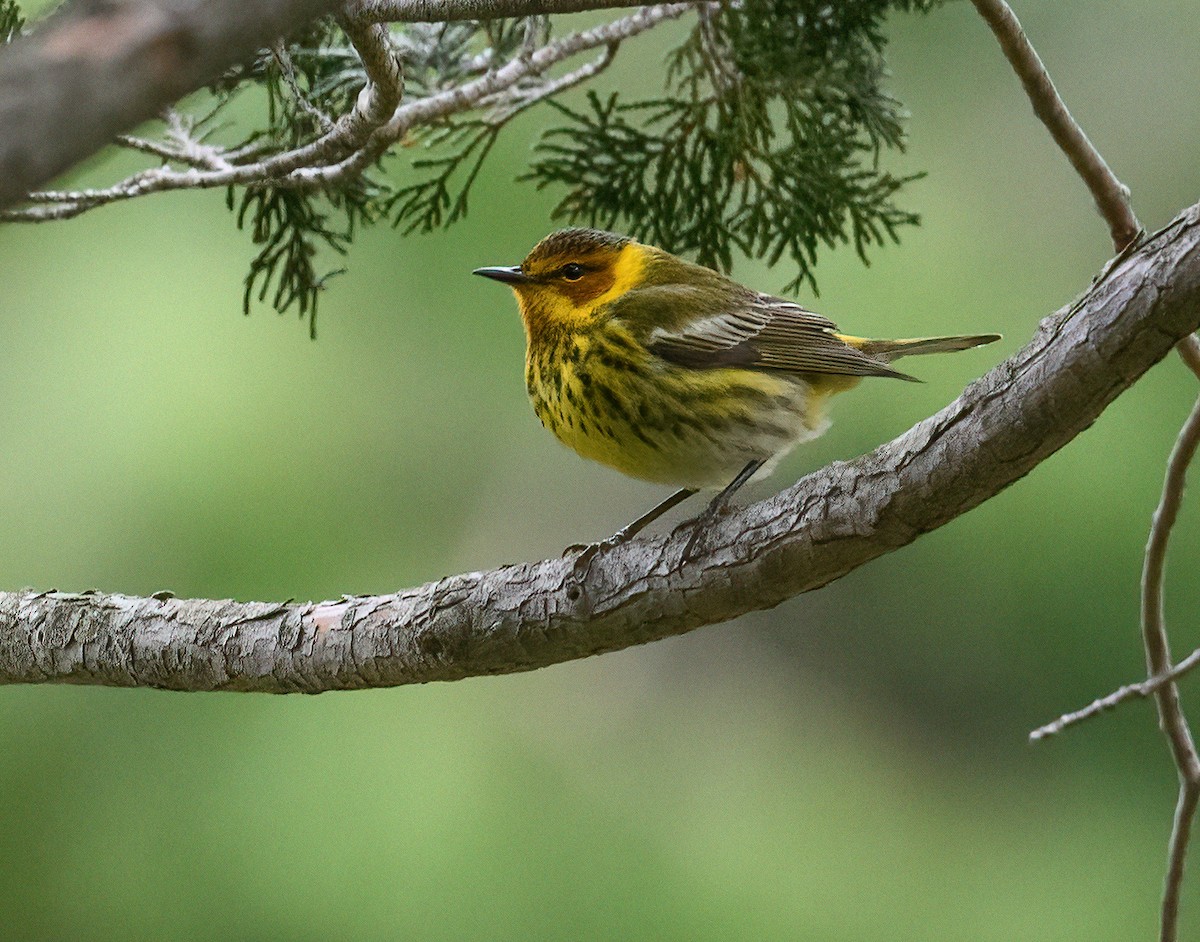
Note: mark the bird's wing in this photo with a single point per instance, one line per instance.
(766, 333)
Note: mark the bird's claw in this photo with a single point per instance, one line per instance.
(583, 562)
(582, 566)
(700, 525)
(587, 557)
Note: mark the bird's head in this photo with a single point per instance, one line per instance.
(568, 276)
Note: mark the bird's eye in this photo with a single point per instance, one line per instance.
(572, 271)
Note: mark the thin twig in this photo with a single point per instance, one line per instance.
(287, 69)
(1181, 835)
(182, 147)
(1140, 690)
(1189, 352)
(512, 104)
(155, 148)
(1158, 656)
(1111, 195)
(191, 148)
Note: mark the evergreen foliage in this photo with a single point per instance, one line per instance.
(308, 82)
(12, 22)
(767, 142)
(311, 81)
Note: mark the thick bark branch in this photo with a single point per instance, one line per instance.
(102, 67)
(531, 615)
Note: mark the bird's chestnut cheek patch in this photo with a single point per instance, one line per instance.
(585, 291)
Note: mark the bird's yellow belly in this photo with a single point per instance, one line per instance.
(665, 423)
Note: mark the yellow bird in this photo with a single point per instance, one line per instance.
(673, 373)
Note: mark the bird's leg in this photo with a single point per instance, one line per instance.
(717, 504)
(630, 530)
(583, 563)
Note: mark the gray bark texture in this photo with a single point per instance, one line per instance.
(532, 615)
(101, 67)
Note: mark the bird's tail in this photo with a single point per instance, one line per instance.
(888, 350)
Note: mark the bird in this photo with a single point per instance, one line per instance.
(674, 373)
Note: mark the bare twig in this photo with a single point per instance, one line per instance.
(531, 615)
(1139, 690)
(1177, 847)
(190, 147)
(1112, 196)
(1158, 657)
(512, 103)
(154, 148)
(1189, 352)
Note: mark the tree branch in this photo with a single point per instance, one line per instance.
(1141, 690)
(1111, 195)
(377, 121)
(98, 69)
(532, 615)
(446, 11)
(1158, 656)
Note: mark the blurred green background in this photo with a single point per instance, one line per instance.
(852, 765)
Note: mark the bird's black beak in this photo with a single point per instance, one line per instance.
(509, 275)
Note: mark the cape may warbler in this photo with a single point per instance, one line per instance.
(674, 373)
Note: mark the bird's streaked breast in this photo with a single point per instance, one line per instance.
(610, 400)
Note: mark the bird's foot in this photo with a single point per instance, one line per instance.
(587, 553)
(700, 525)
(716, 507)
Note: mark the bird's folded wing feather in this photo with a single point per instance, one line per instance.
(764, 333)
